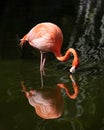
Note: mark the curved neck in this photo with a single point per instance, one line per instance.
(67, 55)
(75, 87)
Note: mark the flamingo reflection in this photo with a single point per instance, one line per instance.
(48, 102)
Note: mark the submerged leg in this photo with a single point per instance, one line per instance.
(41, 78)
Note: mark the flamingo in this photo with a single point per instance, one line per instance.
(48, 37)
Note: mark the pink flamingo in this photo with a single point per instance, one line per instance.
(48, 37)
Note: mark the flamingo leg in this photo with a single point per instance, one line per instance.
(42, 63)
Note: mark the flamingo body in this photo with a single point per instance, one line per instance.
(48, 37)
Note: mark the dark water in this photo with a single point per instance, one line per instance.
(83, 113)
(86, 112)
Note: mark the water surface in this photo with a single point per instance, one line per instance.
(83, 113)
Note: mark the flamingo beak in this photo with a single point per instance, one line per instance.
(72, 69)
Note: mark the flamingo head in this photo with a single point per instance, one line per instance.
(72, 69)
(75, 65)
